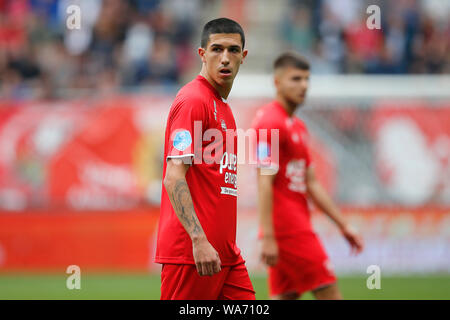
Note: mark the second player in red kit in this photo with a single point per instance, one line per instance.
(296, 258)
(196, 242)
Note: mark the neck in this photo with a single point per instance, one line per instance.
(289, 106)
(224, 91)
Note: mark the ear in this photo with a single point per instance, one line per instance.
(201, 53)
(244, 54)
(276, 80)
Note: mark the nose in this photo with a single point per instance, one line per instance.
(225, 59)
(305, 84)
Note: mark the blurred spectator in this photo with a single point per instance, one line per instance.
(161, 66)
(364, 46)
(297, 30)
(319, 62)
(345, 11)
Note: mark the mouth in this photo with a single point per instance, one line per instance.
(225, 72)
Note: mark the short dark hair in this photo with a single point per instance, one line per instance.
(291, 59)
(221, 25)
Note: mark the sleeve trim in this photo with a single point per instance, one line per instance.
(189, 155)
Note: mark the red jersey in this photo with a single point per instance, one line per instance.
(290, 206)
(201, 125)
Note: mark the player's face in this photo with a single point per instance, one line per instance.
(292, 84)
(223, 56)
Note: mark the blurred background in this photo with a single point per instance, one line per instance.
(82, 119)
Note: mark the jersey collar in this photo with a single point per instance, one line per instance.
(210, 87)
(282, 109)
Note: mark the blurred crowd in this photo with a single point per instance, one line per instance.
(147, 43)
(414, 36)
(120, 43)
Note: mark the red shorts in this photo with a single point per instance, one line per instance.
(182, 282)
(302, 266)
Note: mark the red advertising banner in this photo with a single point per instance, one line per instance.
(114, 241)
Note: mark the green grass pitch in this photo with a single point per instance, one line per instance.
(147, 286)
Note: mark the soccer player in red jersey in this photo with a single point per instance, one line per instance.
(196, 242)
(295, 256)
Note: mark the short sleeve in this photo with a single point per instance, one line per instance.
(187, 120)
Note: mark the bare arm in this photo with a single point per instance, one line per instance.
(323, 201)
(205, 256)
(269, 252)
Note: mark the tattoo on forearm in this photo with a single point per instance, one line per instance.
(180, 197)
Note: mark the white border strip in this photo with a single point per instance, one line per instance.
(350, 86)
